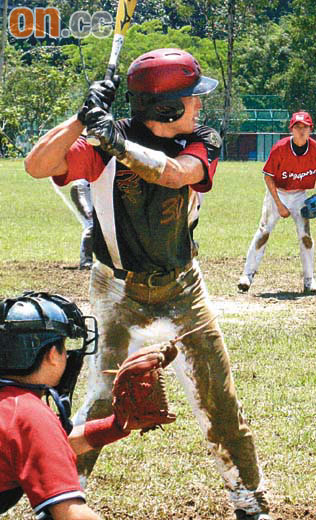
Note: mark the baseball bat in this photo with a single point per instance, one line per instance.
(124, 13)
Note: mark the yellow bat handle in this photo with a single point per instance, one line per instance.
(124, 13)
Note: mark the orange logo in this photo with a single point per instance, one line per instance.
(24, 22)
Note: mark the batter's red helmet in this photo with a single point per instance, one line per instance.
(158, 79)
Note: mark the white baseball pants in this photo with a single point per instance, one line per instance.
(294, 201)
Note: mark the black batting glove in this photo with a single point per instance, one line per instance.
(100, 124)
(101, 94)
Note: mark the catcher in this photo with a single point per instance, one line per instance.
(40, 461)
(288, 172)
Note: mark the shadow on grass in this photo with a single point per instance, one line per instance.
(285, 295)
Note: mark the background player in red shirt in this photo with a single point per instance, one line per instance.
(288, 172)
(37, 457)
(147, 181)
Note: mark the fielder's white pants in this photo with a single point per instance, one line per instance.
(294, 201)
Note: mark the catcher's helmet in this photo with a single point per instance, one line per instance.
(158, 79)
(33, 320)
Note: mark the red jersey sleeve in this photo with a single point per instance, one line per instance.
(205, 144)
(44, 462)
(83, 163)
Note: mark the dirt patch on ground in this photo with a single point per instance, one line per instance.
(267, 296)
(65, 279)
(220, 511)
(276, 289)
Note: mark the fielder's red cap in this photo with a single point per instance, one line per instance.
(301, 117)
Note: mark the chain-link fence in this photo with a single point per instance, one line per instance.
(251, 146)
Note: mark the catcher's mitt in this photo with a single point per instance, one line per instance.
(139, 396)
(309, 210)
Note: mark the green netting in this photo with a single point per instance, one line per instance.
(264, 120)
(261, 114)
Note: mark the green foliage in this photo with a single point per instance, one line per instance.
(211, 16)
(140, 39)
(280, 58)
(262, 59)
(299, 81)
(33, 97)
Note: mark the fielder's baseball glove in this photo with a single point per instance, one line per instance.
(309, 210)
(139, 396)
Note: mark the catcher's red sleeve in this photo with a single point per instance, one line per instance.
(100, 432)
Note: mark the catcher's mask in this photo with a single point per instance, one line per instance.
(158, 79)
(34, 320)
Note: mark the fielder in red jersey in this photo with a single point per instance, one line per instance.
(288, 172)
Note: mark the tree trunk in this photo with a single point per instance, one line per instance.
(228, 85)
(83, 63)
(3, 38)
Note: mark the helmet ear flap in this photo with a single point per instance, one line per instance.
(147, 107)
(169, 111)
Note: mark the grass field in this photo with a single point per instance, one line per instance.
(269, 333)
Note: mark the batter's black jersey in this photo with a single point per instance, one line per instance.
(140, 226)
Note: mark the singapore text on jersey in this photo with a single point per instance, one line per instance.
(297, 176)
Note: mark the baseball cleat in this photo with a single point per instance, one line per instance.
(242, 515)
(244, 282)
(85, 266)
(309, 286)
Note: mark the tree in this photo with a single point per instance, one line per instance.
(299, 82)
(262, 59)
(222, 20)
(3, 38)
(282, 8)
(35, 98)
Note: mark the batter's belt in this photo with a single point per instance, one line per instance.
(154, 279)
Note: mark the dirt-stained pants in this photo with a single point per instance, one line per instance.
(294, 201)
(128, 316)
